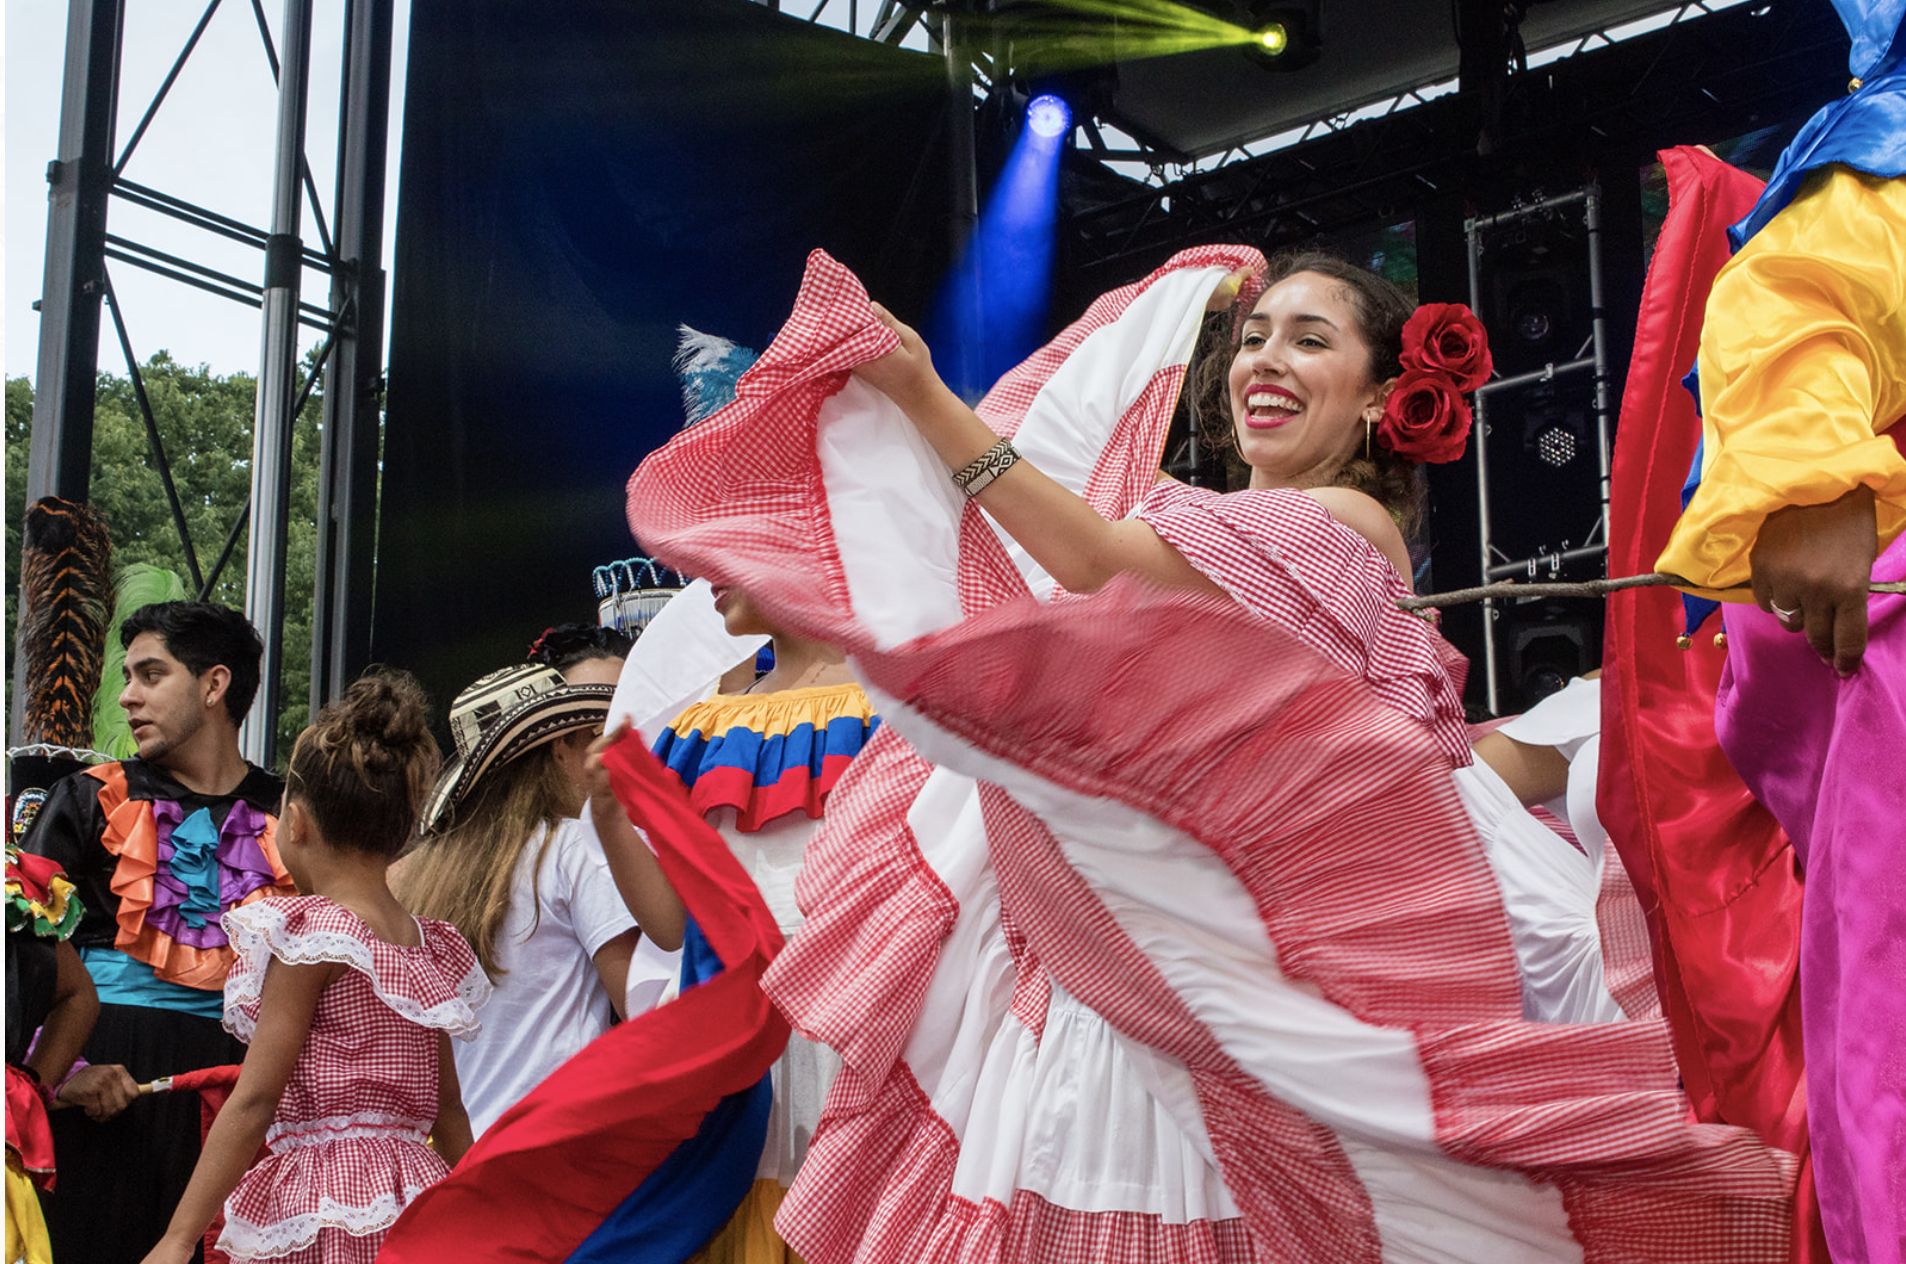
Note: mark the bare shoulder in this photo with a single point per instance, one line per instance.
(1365, 515)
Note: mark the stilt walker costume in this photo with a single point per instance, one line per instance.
(1803, 384)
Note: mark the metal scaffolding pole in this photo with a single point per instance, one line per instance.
(79, 182)
(277, 382)
(347, 460)
(1491, 569)
(963, 173)
(1479, 442)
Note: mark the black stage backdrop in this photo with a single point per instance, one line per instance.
(578, 178)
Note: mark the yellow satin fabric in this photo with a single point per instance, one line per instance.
(1803, 370)
(775, 714)
(749, 1236)
(26, 1227)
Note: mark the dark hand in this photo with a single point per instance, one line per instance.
(1812, 566)
(1225, 297)
(101, 1091)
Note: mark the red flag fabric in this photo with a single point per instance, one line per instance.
(548, 1172)
(28, 1135)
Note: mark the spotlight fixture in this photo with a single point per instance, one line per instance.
(1282, 36)
(1049, 116)
(1551, 642)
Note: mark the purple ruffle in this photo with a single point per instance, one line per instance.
(181, 893)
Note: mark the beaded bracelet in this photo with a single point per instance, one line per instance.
(978, 476)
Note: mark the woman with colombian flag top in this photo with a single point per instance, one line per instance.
(673, 1136)
(758, 764)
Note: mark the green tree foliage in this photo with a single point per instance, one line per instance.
(205, 423)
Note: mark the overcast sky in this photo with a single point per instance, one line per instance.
(211, 143)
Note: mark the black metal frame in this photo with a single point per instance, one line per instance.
(87, 176)
(1693, 79)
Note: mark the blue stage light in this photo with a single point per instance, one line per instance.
(1049, 116)
(991, 312)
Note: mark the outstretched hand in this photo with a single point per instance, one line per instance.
(1812, 565)
(904, 373)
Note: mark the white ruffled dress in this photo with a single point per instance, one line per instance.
(346, 1150)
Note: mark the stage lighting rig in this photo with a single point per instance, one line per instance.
(1284, 37)
(1048, 115)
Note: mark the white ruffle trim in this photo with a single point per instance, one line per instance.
(259, 931)
(305, 1133)
(242, 1238)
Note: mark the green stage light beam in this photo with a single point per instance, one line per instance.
(1145, 28)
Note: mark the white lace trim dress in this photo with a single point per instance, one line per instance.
(346, 1150)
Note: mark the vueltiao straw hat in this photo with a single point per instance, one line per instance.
(506, 714)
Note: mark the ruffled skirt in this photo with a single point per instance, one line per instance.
(1019, 1124)
(328, 1201)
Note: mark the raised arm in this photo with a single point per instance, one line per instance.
(1064, 534)
(651, 900)
(1803, 373)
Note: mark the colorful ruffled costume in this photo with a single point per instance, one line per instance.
(347, 1147)
(156, 863)
(760, 768)
(1715, 872)
(41, 912)
(1802, 373)
(1152, 926)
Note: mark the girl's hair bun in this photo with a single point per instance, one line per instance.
(363, 767)
(381, 717)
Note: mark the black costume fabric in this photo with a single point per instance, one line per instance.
(120, 1180)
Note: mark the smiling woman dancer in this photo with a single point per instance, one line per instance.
(1338, 388)
(1182, 946)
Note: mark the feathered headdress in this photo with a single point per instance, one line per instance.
(709, 367)
(66, 599)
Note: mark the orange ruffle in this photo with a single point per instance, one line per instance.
(133, 836)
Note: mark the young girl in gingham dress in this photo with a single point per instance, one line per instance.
(348, 1004)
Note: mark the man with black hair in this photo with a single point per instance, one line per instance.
(159, 847)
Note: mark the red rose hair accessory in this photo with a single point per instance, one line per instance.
(1445, 356)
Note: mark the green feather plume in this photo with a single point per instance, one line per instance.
(137, 584)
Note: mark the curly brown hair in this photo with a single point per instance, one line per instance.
(364, 765)
(1381, 310)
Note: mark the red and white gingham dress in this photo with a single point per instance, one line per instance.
(1154, 926)
(347, 1147)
